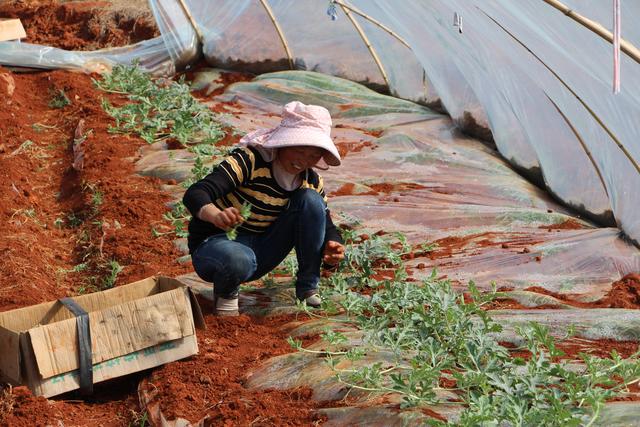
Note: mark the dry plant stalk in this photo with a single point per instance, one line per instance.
(7, 402)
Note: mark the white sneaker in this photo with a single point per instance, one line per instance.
(313, 300)
(226, 307)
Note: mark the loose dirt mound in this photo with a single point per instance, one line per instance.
(80, 25)
(624, 293)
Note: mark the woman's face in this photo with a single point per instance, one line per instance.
(297, 159)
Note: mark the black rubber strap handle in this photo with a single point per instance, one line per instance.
(84, 345)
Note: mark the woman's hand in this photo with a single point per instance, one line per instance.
(224, 220)
(333, 253)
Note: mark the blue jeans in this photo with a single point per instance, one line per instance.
(301, 226)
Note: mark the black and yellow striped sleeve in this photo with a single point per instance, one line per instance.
(232, 172)
(238, 165)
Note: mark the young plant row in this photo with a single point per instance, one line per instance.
(165, 110)
(436, 337)
(98, 271)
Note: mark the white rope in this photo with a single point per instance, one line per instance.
(616, 46)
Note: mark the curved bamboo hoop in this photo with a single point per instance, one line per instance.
(373, 21)
(267, 8)
(388, 30)
(193, 22)
(365, 39)
(597, 28)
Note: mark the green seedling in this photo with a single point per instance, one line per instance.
(430, 331)
(73, 220)
(97, 198)
(113, 270)
(178, 217)
(139, 419)
(59, 99)
(429, 247)
(165, 110)
(159, 110)
(245, 213)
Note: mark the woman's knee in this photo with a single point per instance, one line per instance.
(308, 199)
(226, 263)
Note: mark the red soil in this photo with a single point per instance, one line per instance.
(344, 148)
(600, 348)
(210, 383)
(624, 293)
(448, 246)
(570, 224)
(86, 25)
(377, 188)
(107, 407)
(57, 218)
(348, 190)
(375, 133)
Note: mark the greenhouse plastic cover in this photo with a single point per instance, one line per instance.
(541, 82)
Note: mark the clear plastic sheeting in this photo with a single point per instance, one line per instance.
(541, 82)
(538, 79)
(520, 114)
(242, 34)
(151, 54)
(178, 34)
(177, 47)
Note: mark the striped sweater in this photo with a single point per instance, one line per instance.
(244, 176)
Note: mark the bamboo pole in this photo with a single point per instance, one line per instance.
(373, 21)
(566, 85)
(597, 28)
(365, 39)
(267, 8)
(195, 26)
(388, 30)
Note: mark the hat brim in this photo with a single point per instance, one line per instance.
(294, 137)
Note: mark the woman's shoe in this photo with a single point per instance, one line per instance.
(312, 299)
(226, 306)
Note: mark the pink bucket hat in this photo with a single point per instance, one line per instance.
(306, 125)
